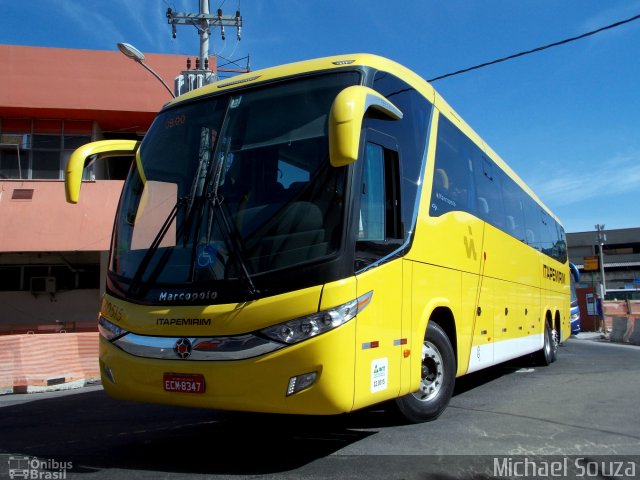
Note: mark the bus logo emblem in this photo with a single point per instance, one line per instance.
(182, 348)
(470, 245)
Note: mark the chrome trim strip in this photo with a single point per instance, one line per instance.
(237, 82)
(237, 347)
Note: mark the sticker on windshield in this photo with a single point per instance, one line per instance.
(235, 102)
(206, 255)
(175, 121)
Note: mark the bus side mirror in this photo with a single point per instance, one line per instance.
(345, 121)
(574, 271)
(82, 157)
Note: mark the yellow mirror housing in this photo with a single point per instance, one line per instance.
(345, 121)
(80, 158)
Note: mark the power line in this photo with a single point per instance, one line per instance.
(539, 49)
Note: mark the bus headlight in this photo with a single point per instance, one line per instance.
(303, 328)
(109, 330)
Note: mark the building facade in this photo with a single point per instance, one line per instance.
(53, 254)
(621, 255)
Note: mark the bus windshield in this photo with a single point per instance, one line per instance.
(232, 186)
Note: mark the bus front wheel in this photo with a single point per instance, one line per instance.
(437, 379)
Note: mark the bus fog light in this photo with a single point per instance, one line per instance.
(300, 382)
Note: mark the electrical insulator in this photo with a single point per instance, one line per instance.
(222, 32)
(206, 64)
(197, 64)
(188, 63)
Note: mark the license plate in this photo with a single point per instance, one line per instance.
(183, 383)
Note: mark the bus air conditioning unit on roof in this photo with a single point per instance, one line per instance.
(43, 285)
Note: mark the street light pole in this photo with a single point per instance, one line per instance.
(204, 21)
(136, 55)
(601, 238)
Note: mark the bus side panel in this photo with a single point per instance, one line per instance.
(482, 348)
(511, 269)
(407, 374)
(379, 346)
(455, 242)
(436, 287)
(565, 313)
(556, 293)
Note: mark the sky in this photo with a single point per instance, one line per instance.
(567, 119)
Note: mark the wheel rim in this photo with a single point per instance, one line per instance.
(555, 340)
(432, 373)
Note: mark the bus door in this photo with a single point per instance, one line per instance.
(380, 338)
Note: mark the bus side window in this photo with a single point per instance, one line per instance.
(489, 185)
(514, 213)
(379, 221)
(560, 252)
(371, 224)
(411, 134)
(533, 223)
(440, 180)
(452, 176)
(380, 196)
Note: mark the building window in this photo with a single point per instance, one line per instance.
(10, 278)
(39, 149)
(14, 159)
(60, 278)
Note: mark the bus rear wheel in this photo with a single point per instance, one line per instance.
(549, 351)
(437, 379)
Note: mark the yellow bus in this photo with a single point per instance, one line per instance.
(316, 238)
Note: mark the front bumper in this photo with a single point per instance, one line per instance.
(256, 384)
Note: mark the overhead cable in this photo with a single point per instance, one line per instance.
(539, 49)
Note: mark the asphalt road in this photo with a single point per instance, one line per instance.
(581, 410)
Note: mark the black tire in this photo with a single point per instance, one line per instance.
(438, 379)
(549, 352)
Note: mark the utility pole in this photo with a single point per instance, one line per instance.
(601, 238)
(191, 79)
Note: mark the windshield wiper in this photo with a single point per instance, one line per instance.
(144, 263)
(230, 233)
(232, 241)
(195, 193)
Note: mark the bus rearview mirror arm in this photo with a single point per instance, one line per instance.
(345, 121)
(88, 153)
